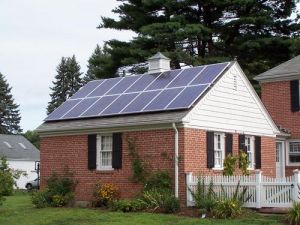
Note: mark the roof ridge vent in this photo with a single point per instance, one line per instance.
(158, 63)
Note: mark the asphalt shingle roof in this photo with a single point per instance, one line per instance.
(285, 71)
(17, 147)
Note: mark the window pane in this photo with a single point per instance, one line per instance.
(295, 147)
(106, 159)
(294, 158)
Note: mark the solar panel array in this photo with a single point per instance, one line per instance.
(171, 90)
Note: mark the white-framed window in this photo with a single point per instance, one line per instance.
(249, 148)
(294, 152)
(104, 152)
(219, 150)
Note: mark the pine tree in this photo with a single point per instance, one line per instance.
(9, 111)
(67, 82)
(99, 65)
(197, 32)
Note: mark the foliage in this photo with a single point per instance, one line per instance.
(18, 210)
(244, 162)
(104, 194)
(205, 197)
(293, 215)
(67, 82)
(231, 206)
(59, 192)
(198, 32)
(8, 178)
(162, 200)
(139, 170)
(98, 65)
(229, 165)
(128, 205)
(227, 208)
(160, 180)
(9, 111)
(41, 199)
(33, 137)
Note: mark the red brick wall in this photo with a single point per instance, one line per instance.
(277, 99)
(71, 151)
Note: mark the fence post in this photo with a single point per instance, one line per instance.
(258, 190)
(296, 184)
(188, 176)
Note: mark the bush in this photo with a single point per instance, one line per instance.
(164, 201)
(160, 180)
(294, 214)
(41, 199)
(59, 191)
(105, 194)
(128, 205)
(205, 198)
(229, 208)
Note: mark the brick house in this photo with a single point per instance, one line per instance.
(197, 124)
(280, 94)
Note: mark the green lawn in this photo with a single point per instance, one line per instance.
(18, 210)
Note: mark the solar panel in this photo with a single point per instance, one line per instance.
(171, 90)
(63, 109)
(162, 100)
(88, 88)
(105, 86)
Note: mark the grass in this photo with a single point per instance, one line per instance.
(18, 210)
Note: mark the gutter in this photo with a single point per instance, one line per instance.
(176, 159)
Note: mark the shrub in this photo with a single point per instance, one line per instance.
(128, 205)
(41, 199)
(59, 191)
(205, 197)
(105, 193)
(229, 165)
(294, 214)
(160, 180)
(229, 208)
(164, 200)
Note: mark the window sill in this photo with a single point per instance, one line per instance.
(218, 169)
(102, 170)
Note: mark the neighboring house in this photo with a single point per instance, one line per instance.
(280, 94)
(21, 155)
(196, 116)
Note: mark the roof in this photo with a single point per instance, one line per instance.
(17, 147)
(203, 76)
(158, 55)
(286, 71)
(112, 122)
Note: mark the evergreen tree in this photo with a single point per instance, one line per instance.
(99, 65)
(9, 111)
(33, 137)
(67, 82)
(197, 32)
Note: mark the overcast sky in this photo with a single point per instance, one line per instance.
(35, 34)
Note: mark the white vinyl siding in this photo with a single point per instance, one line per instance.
(231, 105)
(249, 147)
(294, 153)
(104, 152)
(219, 150)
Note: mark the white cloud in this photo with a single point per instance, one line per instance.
(35, 34)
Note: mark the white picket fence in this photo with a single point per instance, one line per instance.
(262, 191)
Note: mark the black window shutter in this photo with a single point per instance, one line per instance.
(228, 144)
(242, 142)
(117, 151)
(210, 149)
(295, 105)
(92, 151)
(258, 152)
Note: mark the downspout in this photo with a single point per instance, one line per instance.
(176, 159)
